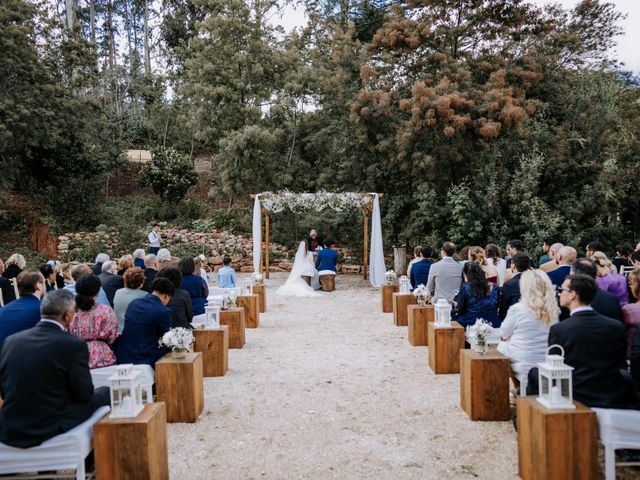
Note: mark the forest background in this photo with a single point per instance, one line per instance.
(479, 120)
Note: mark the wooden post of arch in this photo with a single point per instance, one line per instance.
(266, 244)
(366, 244)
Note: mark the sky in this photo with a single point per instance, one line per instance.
(627, 51)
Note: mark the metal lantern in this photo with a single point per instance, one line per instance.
(554, 380)
(212, 313)
(247, 287)
(126, 392)
(443, 313)
(405, 285)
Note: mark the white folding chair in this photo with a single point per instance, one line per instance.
(618, 429)
(1, 299)
(626, 270)
(14, 282)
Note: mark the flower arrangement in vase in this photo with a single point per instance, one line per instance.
(422, 294)
(178, 340)
(390, 276)
(478, 333)
(257, 278)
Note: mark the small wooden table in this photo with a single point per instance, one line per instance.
(234, 318)
(386, 295)
(484, 385)
(213, 343)
(132, 448)
(445, 344)
(260, 290)
(556, 444)
(400, 303)
(251, 311)
(417, 318)
(180, 385)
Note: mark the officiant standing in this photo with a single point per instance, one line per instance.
(154, 239)
(314, 244)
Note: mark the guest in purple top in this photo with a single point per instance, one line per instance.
(610, 281)
(631, 311)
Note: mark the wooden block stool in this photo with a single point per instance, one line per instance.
(260, 290)
(386, 295)
(213, 343)
(180, 385)
(445, 344)
(417, 318)
(327, 283)
(400, 303)
(484, 385)
(132, 448)
(234, 318)
(554, 444)
(251, 312)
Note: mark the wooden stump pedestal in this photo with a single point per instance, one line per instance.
(445, 344)
(251, 312)
(213, 343)
(554, 444)
(400, 303)
(484, 385)
(180, 385)
(386, 296)
(327, 283)
(417, 318)
(132, 448)
(260, 290)
(234, 318)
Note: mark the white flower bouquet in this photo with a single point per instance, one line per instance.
(177, 339)
(422, 294)
(478, 333)
(390, 276)
(257, 277)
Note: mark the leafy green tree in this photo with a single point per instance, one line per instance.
(169, 174)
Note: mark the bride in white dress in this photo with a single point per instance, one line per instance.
(303, 265)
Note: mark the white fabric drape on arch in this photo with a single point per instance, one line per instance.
(376, 252)
(257, 234)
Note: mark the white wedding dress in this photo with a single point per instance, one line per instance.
(295, 286)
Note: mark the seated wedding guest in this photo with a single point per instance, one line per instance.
(417, 256)
(8, 292)
(445, 276)
(551, 265)
(81, 270)
(565, 257)
(14, 266)
(194, 284)
(546, 245)
(226, 274)
(164, 259)
(44, 378)
(200, 262)
(631, 311)
(110, 280)
(510, 294)
(101, 258)
(57, 267)
(150, 271)
(327, 258)
(180, 303)
(593, 247)
(420, 270)
(49, 275)
(525, 329)
(623, 256)
(594, 345)
(477, 298)
(609, 279)
(133, 280)
(24, 312)
(146, 321)
(125, 262)
(464, 254)
(493, 257)
(96, 324)
(604, 303)
(635, 258)
(478, 255)
(513, 246)
(138, 258)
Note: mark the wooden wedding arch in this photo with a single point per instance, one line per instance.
(298, 202)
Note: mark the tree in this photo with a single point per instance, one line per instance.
(169, 174)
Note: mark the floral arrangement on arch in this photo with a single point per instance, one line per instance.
(178, 339)
(300, 202)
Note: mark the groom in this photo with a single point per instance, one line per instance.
(327, 258)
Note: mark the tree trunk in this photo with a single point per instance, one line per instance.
(70, 13)
(112, 49)
(147, 46)
(92, 20)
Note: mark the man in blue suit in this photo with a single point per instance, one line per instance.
(420, 270)
(23, 313)
(565, 257)
(145, 322)
(510, 294)
(327, 258)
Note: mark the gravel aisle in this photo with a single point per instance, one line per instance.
(329, 388)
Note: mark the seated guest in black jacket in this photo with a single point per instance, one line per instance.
(110, 281)
(8, 292)
(420, 270)
(150, 271)
(510, 294)
(605, 303)
(594, 345)
(180, 303)
(45, 379)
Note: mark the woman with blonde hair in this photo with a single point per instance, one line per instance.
(609, 279)
(525, 330)
(479, 256)
(14, 266)
(124, 264)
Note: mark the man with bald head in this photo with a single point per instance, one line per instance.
(551, 265)
(565, 257)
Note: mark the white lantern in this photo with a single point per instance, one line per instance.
(247, 287)
(405, 285)
(126, 392)
(212, 313)
(443, 313)
(554, 381)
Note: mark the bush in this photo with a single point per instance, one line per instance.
(169, 174)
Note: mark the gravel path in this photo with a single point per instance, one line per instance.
(329, 388)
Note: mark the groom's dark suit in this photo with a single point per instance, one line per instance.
(327, 259)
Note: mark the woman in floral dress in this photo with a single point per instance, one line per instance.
(94, 323)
